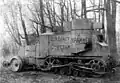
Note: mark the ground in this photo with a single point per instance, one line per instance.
(7, 76)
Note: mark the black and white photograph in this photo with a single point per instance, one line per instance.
(59, 41)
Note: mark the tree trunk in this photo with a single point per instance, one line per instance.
(62, 14)
(43, 30)
(25, 32)
(111, 30)
(54, 16)
(83, 10)
(67, 11)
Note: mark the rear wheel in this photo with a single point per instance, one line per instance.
(55, 70)
(82, 74)
(75, 73)
(62, 71)
(97, 75)
(97, 65)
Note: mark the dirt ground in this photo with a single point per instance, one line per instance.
(7, 76)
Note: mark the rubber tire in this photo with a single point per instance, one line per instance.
(16, 64)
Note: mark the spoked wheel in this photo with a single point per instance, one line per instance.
(49, 63)
(16, 64)
(97, 65)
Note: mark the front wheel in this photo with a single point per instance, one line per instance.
(16, 64)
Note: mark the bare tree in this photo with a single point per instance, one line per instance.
(36, 19)
(49, 14)
(23, 24)
(14, 20)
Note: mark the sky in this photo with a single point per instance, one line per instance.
(1, 25)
